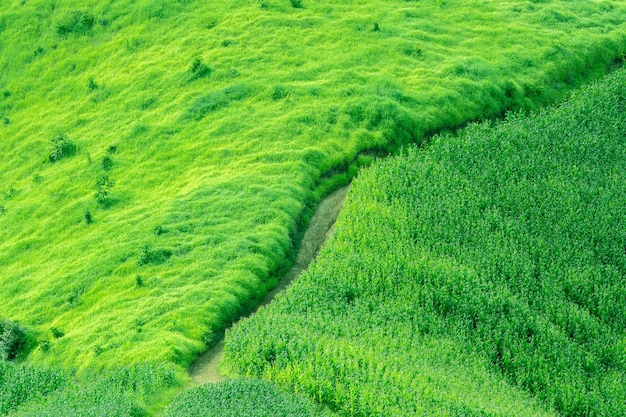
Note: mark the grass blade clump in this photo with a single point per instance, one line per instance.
(76, 22)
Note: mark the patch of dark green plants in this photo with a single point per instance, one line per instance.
(13, 339)
(198, 70)
(103, 191)
(296, 4)
(107, 163)
(75, 22)
(61, 148)
(88, 217)
(279, 92)
(216, 100)
(149, 256)
(92, 85)
(57, 333)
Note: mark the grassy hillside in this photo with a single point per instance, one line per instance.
(481, 275)
(157, 157)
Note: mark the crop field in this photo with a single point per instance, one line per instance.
(160, 159)
(482, 275)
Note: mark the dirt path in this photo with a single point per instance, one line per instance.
(320, 228)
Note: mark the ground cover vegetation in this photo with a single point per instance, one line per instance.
(158, 158)
(241, 397)
(483, 275)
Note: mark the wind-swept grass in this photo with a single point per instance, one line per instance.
(224, 164)
(482, 275)
(145, 203)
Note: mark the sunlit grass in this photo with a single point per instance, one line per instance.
(213, 174)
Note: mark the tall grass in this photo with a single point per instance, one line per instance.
(482, 275)
(26, 391)
(284, 103)
(158, 158)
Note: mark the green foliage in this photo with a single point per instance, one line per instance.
(279, 92)
(241, 398)
(198, 69)
(120, 393)
(103, 191)
(107, 163)
(20, 383)
(61, 148)
(483, 274)
(75, 22)
(296, 4)
(225, 169)
(153, 256)
(13, 339)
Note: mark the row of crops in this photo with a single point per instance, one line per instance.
(28, 391)
(482, 275)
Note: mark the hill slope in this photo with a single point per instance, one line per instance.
(158, 157)
(482, 275)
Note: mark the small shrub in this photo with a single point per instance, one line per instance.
(296, 4)
(57, 333)
(92, 85)
(44, 345)
(103, 191)
(6, 121)
(107, 163)
(75, 22)
(198, 69)
(279, 92)
(376, 28)
(88, 217)
(139, 281)
(62, 147)
(12, 339)
(154, 256)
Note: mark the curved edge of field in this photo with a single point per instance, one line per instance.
(206, 368)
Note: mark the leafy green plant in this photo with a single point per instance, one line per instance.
(13, 339)
(103, 191)
(279, 92)
(75, 22)
(296, 4)
(62, 147)
(198, 69)
(88, 217)
(57, 333)
(107, 163)
(151, 256)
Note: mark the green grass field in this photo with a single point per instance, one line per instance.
(481, 276)
(159, 159)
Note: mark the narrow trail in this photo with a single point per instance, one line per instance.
(321, 227)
